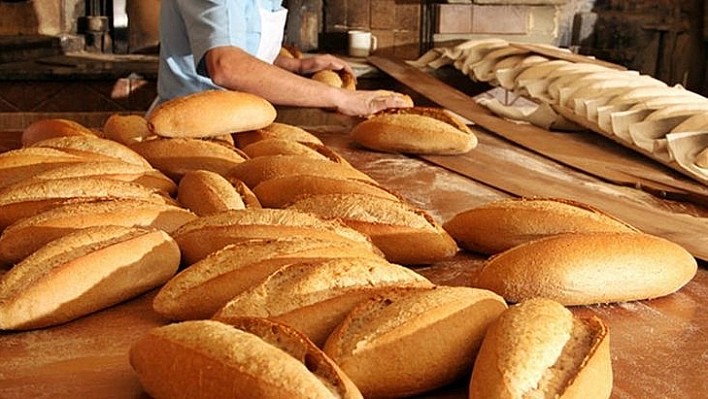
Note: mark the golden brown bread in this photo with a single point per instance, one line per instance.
(538, 348)
(414, 341)
(211, 113)
(499, 225)
(405, 234)
(315, 296)
(276, 130)
(53, 127)
(702, 158)
(415, 130)
(84, 272)
(278, 146)
(255, 358)
(95, 148)
(126, 129)
(22, 163)
(27, 235)
(278, 192)
(340, 79)
(205, 235)
(176, 156)
(589, 268)
(202, 288)
(21, 200)
(205, 192)
(256, 170)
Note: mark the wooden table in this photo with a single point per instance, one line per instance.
(659, 347)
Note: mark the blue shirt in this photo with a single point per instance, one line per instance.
(189, 28)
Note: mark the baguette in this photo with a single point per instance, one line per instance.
(411, 342)
(126, 129)
(278, 192)
(206, 193)
(210, 233)
(314, 297)
(256, 358)
(589, 268)
(539, 349)
(256, 170)
(84, 272)
(211, 113)
(278, 146)
(201, 289)
(276, 130)
(405, 234)
(176, 156)
(54, 127)
(415, 130)
(499, 225)
(22, 200)
(22, 163)
(95, 147)
(27, 235)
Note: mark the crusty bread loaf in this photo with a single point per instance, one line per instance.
(22, 163)
(276, 130)
(27, 235)
(199, 238)
(201, 289)
(291, 51)
(21, 200)
(206, 192)
(315, 296)
(280, 191)
(53, 127)
(340, 79)
(256, 358)
(404, 233)
(113, 170)
(95, 148)
(176, 156)
(256, 170)
(415, 130)
(211, 113)
(539, 349)
(126, 129)
(278, 146)
(589, 268)
(410, 342)
(83, 272)
(499, 225)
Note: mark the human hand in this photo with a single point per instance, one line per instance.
(315, 63)
(367, 102)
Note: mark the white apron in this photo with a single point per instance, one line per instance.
(272, 31)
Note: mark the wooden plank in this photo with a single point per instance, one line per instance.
(649, 214)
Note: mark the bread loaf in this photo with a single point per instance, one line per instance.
(176, 156)
(340, 79)
(410, 342)
(539, 349)
(84, 272)
(405, 234)
(95, 148)
(280, 191)
(257, 358)
(126, 129)
(201, 289)
(499, 225)
(22, 163)
(589, 268)
(256, 170)
(415, 130)
(276, 146)
(276, 130)
(210, 233)
(27, 235)
(315, 296)
(53, 127)
(211, 113)
(206, 192)
(21, 200)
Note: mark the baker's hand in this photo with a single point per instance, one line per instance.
(367, 102)
(309, 65)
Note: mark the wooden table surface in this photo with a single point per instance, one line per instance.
(659, 347)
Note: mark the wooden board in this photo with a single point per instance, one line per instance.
(484, 165)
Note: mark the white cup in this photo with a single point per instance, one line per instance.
(361, 43)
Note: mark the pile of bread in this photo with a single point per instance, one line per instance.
(668, 123)
(286, 272)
